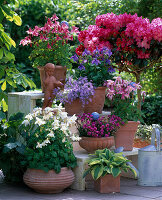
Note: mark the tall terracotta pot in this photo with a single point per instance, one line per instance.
(74, 107)
(124, 137)
(107, 184)
(97, 103)
(91, 144)
(48, 182)
(59, 74)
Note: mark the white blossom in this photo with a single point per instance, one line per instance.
(29, 117)
(39, 121)
(51, 134)
(26, 122)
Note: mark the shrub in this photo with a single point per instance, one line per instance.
(152, 110)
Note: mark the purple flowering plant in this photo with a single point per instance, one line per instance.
(96, 65)
(73, 89)
(104, 126)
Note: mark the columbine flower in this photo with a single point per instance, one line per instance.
(39, 121)
(29, 117)
(26, 122)
(51, 134)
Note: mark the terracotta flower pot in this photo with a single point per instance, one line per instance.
(59, 74)
(91, 144)
(74, 107)
(124, 137)
(97, 103)
(107, 184)
(48, 182)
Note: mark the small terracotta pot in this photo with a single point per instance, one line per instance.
(97, 103)
(91, 144)
(74, 107)
(107, 184)
(59, 74)
(124, 137)
(48, 182)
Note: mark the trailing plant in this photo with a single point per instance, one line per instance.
(73, 89)
(105, 161)
(11, 148)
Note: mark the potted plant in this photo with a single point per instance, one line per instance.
(97, 133)
(76, 94)
(121, 94)
(49, 153)
(50, 45)
(96, 66)
(105, 167)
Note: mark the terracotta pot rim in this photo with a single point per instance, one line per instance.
(93, 138)
(51, 170)
(100, 88)
(134, 122)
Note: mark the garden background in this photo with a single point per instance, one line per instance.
(81, 14)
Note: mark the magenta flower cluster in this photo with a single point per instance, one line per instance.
(125, 33)
(104, 126)
(121, 88)
(80, 88)
(50, 33)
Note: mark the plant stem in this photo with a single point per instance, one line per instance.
(138, 75)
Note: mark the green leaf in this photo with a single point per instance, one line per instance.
(17, 20)
(3, 87)
(4, 105)
(86, 172)
(97, 172)
(1, 53)
(94, 161)
(115, 171)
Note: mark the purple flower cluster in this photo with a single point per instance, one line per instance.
(97, 57)
(74, 89)
(104, 126)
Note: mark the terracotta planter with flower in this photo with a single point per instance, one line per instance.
(92, 144)
(97, 133)
(48, 182)
(96, 103)
(76, 94)
(124, 137)
(48, 167)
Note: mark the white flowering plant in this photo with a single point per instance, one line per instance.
(48, 139)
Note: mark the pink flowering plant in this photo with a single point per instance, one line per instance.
(121, 93)
(50, 42)
(104, 126)
(96, 65)
(134, 41)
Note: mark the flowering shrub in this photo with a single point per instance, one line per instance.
(120, 88)
(130, 37)
(121, 94)
(80, 88)
(95, 65)
(47, 140)
(50, 42)
(102, 127)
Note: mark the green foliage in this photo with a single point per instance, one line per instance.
(54, 156)
(11, 148)
(150, 8)
(107, 162)
(152, 110)
(9, 75)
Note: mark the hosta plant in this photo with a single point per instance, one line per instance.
(105, 161)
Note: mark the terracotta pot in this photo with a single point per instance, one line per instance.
(48, 182)
(124, 137)
(74, 107)
(97, 103)
(139, 143)
(91, 144)
(59, 74)
(107, 184)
